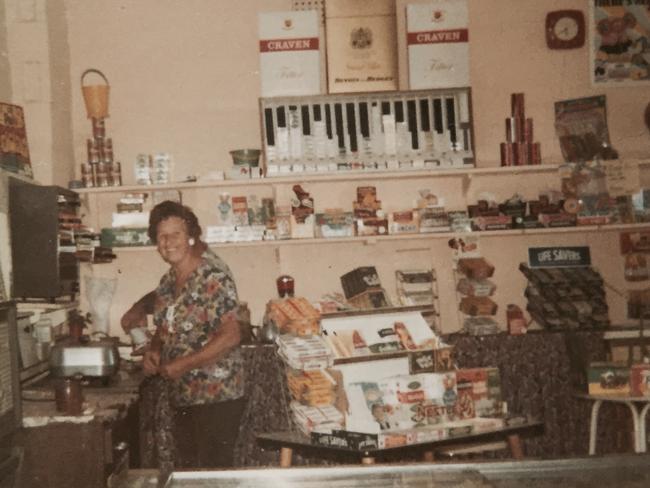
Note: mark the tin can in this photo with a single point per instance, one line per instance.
(517, 105)
(528, 131)
(99, 128)
(507, 154)
(87, 176)
(102, 175)
(116, 174)
(108, 150)
(535, 153)
(93, 151)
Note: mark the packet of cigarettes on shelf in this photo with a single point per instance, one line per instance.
(304, 353)
(316, 419)
(294, 315)
(315, 388)
(365, 335)
(415, 286)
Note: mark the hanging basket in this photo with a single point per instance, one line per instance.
(95, 96)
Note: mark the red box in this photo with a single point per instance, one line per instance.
(640, 380)
(486, 389)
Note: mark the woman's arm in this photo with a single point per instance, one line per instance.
(136, 316)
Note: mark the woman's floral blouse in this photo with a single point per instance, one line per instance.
(186, 323)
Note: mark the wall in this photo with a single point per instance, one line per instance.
(5, 67)
(36, 77)
(184, 79)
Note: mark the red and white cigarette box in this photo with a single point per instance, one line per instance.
(438, 44)
(289, 53)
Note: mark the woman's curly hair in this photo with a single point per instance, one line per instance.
(167, 209)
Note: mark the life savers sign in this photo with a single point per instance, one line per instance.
(438, 37)
(275, 45)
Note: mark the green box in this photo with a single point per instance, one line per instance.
(609, 379)
(124, 237)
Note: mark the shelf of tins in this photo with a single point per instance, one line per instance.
(408, 237)
(340, 176)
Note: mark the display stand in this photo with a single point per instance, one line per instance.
(287, 442)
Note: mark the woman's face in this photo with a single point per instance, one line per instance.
(172, 238)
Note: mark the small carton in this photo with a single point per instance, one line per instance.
(485, 387)
(640, 379)
(608, 379)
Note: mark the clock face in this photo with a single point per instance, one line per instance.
(565, 28)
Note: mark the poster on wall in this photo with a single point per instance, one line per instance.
(620, 42)
(14, 152)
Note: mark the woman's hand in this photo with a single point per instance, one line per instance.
(176, 368)
(151, 362)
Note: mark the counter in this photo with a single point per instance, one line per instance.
(84, 450)
(540, 373)
(620, 471)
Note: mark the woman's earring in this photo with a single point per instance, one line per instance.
(191, 241)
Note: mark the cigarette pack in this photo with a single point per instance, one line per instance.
(438, 47)
(289, 53)
(361, 45)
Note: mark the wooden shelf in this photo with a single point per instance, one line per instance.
(425, 309)
(370, 240)
(326, 177)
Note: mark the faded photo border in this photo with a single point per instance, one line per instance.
(619, 40)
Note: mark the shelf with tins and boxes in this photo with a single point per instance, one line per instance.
(326, 177)
(370, 240)
(93, 201)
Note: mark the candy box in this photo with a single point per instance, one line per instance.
(608, 379)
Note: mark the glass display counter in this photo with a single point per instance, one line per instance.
(621, 471)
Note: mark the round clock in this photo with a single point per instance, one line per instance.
(565, 29)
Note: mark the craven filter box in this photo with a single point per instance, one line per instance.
(438, 47)
(289, 53)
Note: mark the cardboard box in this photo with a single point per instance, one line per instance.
(124, 237)
(438, 47)
(608, 379)
(373, 298)
(335, 224)
(640, 379)
(289, 53)
(486, 389)
(361, 45)
(359, 280)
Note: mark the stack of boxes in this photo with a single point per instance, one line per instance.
(370, 219)
(476, 289)
(519, 148)
(294, 315)
(129, 223)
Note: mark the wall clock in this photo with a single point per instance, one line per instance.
(565, 29)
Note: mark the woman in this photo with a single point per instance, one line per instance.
(196, 339)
